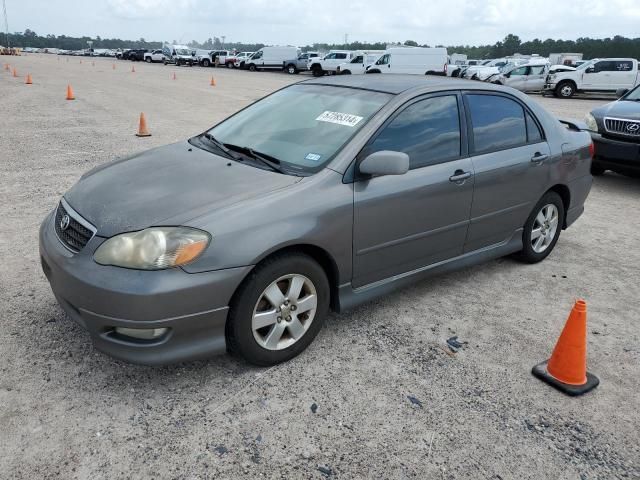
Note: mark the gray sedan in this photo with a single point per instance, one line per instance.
(323, 195)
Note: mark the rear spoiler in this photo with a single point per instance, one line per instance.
(575, 125)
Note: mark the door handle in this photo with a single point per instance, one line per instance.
(459, 176)
(539, 157)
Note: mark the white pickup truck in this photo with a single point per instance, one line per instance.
(597, 75)
(329, 63)
(154, 56)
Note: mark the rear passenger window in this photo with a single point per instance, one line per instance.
(624, 66)
(534, 135)
(428, 131)
(497, 122)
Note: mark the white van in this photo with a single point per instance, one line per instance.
(358, 65)
(271, 57)
(414, 60)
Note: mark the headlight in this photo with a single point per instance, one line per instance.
(551, 77)
(591, 122)
(155, 248)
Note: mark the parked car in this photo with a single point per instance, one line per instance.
(359, 63)
(137, 54)
(413, 60)
(244, 237)
(218, 58)
(329, 63)
(526, 78)
(615, 130)
(299, 64)
(270, 58)
(241, 58)
(178, 55)
(599, 75)
(154, 56)
(122, 54)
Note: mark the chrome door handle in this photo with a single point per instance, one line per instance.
(539, 157)
(459, 176)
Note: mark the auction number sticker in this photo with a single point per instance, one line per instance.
(345, 119)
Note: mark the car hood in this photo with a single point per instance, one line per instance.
(166, 186)
(622, 109)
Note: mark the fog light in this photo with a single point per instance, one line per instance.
(141, 333)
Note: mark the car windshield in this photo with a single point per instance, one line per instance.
(633, 95)
(182, 51)
(585, 65)
(302, 126)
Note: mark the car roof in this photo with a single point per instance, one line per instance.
(396, 84)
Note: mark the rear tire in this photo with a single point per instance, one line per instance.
(542, 229)
(252, 306)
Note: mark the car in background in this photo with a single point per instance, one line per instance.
(526, 78)
(178, 55)
(412, 60)
(600, 75)
(271, 58)
(299, 64)
(137, 54)
(328, 65)
(218, 58)
(154, 56)
(359, 64)
(615, 130)
(324, 194)
(241, 58)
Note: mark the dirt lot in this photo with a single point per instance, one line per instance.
(392, 401)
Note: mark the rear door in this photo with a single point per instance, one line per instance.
(624, 74)
(535, 78)
(405, 222)
(511, 161)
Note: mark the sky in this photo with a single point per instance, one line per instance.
(304, 22)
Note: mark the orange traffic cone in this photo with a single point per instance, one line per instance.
(28, 81)
(133, 69)
(213, 82)
(15, 72)
(142, 128)
(70, 93)
(113, 66)
(174, 75)
(566, 370)
(7, 66)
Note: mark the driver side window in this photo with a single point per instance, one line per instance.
(383, 60)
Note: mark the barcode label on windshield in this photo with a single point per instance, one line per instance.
(345, 119)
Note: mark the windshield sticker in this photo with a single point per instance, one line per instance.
(345, 119)
(314, 157)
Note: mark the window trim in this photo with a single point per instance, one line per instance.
(469, 124)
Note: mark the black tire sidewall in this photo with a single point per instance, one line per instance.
(239, 333)
(528, 254)
(563, 84)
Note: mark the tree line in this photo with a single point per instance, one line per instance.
(617, 46)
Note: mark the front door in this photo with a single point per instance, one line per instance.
(405, 222)
(511, 162)
(535, 78)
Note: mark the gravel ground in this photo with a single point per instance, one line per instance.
(377, 395)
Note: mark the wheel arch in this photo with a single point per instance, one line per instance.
(565, 195)
(319, 254)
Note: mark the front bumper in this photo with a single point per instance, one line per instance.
(193, 306)
(616, 154)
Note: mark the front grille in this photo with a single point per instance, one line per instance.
(621, 126)
(76, 234)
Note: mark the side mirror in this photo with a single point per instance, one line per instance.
(590, 70)
(621, 92)
(385, 162)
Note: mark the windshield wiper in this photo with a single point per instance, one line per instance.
(220, 145)
(268, 160)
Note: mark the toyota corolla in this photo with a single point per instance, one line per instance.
(323, 195)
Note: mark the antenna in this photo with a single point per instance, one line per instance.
(6, 22)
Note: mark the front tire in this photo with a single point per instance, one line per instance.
(278, 310)
(148, 59)
(565, 90)
(542, 229)
(317, 71)
(252, 67)
(291, 69)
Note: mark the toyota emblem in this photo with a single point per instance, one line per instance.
(64, 222)
(633, 127)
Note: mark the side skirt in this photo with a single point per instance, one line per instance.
(350, 297)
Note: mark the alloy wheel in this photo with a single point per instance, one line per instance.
(544, 228)
(284, 312)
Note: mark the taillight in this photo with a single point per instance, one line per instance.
(592, 150)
